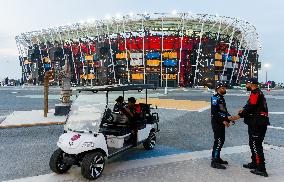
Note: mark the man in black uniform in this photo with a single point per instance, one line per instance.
(255, 114)
(219, 120)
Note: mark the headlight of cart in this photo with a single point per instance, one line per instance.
(88, 144)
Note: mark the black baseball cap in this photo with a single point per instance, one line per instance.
(132, 99)
(253, 81)
(119, 99)
(221, 84)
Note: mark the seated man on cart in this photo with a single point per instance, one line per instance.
(133, 112)
(120, 105)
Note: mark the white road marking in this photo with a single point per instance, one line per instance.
(204, 109)
(194, 110)
(274, 97)
(275, 127)
(276, 113)
(75, 175)
(239, 95)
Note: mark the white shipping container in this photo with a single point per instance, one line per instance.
(136, 55)
(136, 62)
(229, 65)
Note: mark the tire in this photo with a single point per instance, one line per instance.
(56, 162)
(93, 165)
(150, 142)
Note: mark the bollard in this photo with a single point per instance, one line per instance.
(45, 92)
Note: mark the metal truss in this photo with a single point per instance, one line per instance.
(183, 24)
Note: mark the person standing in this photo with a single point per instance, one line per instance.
(255, 114)
(219, 120)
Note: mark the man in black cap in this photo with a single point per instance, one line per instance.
(120, 105)
(255, 114)
(219, 120)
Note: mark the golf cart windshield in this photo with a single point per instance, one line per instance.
(87, 110)
(85, 114)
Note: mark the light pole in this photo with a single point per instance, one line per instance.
(144, 17)
(266, 66)
(166, 87)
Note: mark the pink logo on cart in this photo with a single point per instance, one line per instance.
(75, 137)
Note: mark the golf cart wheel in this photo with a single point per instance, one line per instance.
(93, 165)
(56, 163)
(150, 143)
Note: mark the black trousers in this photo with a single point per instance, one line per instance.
(219, 139)
(256, 137)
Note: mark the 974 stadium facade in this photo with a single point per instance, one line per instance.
(182, 49)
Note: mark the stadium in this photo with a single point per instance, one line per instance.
(173, 49)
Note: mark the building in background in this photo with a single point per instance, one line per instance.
(183, 48)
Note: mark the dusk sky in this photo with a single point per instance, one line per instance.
(18, 16)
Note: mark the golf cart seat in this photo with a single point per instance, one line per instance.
(145, 108)
(119, 118)
(115, 130)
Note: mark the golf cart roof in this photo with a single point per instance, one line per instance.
(138, 87)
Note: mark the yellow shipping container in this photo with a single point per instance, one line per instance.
(83, 76)
(218, 63)
(166, 54)
(122, 55)
(173, 55)
(216, 77)
(235, 59)
(154, 62)
(46, 60)
(137, 76)
(218, 56)
(91, 76)
(89, 57)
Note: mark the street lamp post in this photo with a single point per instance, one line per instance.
(265, 76)
(266, 66)
(166, 87)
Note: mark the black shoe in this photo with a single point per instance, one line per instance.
(221, 161)
(260, 173)
(250, 165)
(217, 165)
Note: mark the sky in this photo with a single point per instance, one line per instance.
(18, 16)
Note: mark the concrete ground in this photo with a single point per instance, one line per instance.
(194, 166)
(26, 151)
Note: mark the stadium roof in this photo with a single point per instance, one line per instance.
(180, 22)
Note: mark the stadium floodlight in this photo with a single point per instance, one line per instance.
(174, 12)
(131, 14)
(108, 17)
(118, 16)
(90, 20)
(267, 66)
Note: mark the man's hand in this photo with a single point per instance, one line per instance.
(226, 123)
(240, 111)
(234, 118)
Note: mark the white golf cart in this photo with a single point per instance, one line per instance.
(91, 136)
